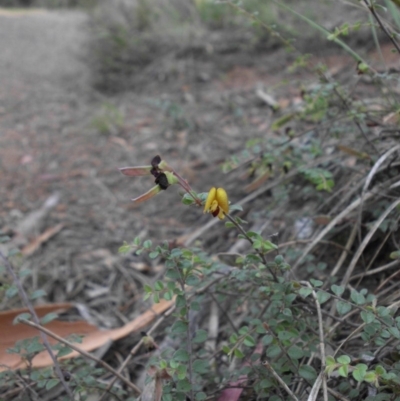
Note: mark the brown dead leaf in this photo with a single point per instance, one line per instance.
(392, 118)
(93, 336)
(34, 245)
(354, 152)
(322, 220)
(258, 182)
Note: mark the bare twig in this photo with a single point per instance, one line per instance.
(365, 242)
(134, 350)
(321, 344)
(188, 334)
(382, 25)
(280, 380)
(82, 352)
(379, 269)
(28, 304)
(341, 215)
(345, 252)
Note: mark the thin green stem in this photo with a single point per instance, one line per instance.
(188, 334)
(371, 8)
(262, 256)
(185, 185)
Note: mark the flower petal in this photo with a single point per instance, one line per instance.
(210, 199)
(149, 194)
(221, 214)
(222, 199)
(137, 171)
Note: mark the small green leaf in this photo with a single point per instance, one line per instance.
(200, 396)
(323, 296)
(124, 248)
(179, 327)
(147, 244)
(183, 385)
(226, 349)
(147, 289)
(201, 366)
(249, 341)
(238, 354)
(383, 311)
(344, 359)
(35, 346)
(168, 295)
(52, 383)
(307, 372)
(359, 372)
(267, 339)
(153, 255)
(343, 307)
(201, 336)
(370, 377)
(158, 286)
(192, 280)
(4, 238)
(295, 352)
(37, 294)
(64, 351)
(273, 351)
(22, 316)
(181, 355)
(232, 208)
(11, 291)
(395, 255)
(357, 298)
(305, 292)
(394, 331)
(343, 370)
(380, 370)
(330, 360)
(316, 283)
(48, 318)
(337, 289)
(187, 199)
(367, 317)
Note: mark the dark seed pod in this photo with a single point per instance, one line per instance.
(162, 181)
(156, 161)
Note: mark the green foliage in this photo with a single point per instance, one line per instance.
(275, 302)
(109, 121)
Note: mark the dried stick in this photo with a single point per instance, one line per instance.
(379, 269)
(82, 352)
(134, 350)
(345, 252)
(340, 216)
(382, 25)
(365, 242)
(28, 304)
(321, 341)
(280, 380)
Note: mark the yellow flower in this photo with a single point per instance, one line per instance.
(217, 203)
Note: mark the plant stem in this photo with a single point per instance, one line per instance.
(382, 25)
(188, 334)
(262, 256)
(82, 352)
(185, 185)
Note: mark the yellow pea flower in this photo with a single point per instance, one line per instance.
(217, 203)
